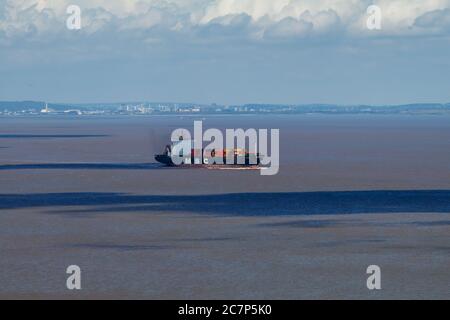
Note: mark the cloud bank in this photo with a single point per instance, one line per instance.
(254, 19)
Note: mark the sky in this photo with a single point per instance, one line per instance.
(226, 51)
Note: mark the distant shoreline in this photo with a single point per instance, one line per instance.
(37, 108)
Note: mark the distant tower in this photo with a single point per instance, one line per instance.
(46, 109)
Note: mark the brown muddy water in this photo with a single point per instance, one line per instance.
(352, 191)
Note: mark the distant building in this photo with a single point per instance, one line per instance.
(47, 109)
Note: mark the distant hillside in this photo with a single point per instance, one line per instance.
(20, 105)
(30, 105)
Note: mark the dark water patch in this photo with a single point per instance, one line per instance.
(431, 223)
(414, 224)
(50, 136)
(416, 249)
(242, 204)
(82, 166)
(119, 247)
(332, 244)
(308, 224)
(206, 239)
(366, 241)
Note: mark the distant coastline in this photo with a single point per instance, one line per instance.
(37, 108)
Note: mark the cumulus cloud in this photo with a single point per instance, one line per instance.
(438, 20)
(294, 17)
(256, 19)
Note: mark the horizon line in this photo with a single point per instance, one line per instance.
(234, 104)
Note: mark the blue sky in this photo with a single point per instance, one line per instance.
(226, 51)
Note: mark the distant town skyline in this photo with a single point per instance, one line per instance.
(226, 52)
(34, 108)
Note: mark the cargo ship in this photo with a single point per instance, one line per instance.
(213, 157)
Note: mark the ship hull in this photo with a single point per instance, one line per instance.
(167, 160)
(164, 159)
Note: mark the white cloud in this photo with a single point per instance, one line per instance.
(266, 18)
(293, 17)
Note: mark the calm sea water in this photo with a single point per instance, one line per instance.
(318, 152)
(352, 191)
